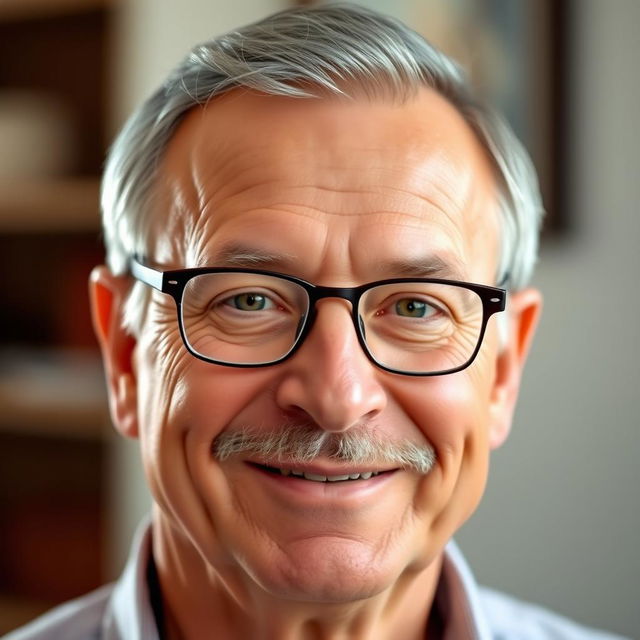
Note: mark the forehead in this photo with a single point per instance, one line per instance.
(326, 183)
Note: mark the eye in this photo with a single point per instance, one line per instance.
(250, 301)
(413, 308)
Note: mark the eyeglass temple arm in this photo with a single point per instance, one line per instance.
(145, 274)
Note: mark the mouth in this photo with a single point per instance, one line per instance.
(315, 476)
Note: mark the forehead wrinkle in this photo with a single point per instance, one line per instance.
(246, 174)
(404, 206)
(438, 239)
(227, 184)
(199, 215)
(217, 181)
(277, 194)
(199, 227)
(222, 169)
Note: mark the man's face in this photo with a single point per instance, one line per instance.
(338, 193)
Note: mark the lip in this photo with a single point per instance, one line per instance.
(293, 489)
(322, 468)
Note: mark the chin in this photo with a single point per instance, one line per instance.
(328, 570)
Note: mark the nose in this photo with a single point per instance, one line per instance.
(330, 380)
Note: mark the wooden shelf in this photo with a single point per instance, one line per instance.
(54, 424)
(70, 204)
(27, 9)
(59, 394)
(54, 420)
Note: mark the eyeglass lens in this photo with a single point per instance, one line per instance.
(251, 319)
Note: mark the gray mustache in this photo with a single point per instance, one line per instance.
(304, 443)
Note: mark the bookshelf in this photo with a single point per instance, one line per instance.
(54, 60)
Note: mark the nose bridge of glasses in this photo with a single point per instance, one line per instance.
(350, 295)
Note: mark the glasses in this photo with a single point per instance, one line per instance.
(254, 318)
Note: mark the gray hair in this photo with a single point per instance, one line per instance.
(305, 53)
(294, 444)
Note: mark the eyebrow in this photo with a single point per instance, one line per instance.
(240, 255)
(430, 266)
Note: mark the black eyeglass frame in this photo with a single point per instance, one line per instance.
(173, 283)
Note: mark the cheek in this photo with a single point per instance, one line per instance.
(216, 397)
(452, 413)
(448, 410)
(161, 365)
(180, 394)
(183, 404)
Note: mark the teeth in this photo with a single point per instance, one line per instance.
(314, 477)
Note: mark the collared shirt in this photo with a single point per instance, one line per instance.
(123, 611)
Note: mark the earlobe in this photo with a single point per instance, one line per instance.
(108, 294)
(524, 312)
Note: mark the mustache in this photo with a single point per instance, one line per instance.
(295, 443)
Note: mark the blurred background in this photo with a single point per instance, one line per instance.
(561, 518)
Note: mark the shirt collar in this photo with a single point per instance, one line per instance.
(130, 614)
(458, 598)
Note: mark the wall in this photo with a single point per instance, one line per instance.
(560, 521)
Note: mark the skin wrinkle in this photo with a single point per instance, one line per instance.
(190, 475)
(445, 456)
(442, 520)
(235, 179)
(209, 205)
(237, 158)
(207, 202)
(257, 561)
(157, 453)
(247, 519)
(457, 270)
(175, 365)
(206, 206)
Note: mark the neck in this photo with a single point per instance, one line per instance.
(197, 598)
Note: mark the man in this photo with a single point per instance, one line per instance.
(310, 229)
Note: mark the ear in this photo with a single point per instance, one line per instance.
(108, 294)
(524, 309)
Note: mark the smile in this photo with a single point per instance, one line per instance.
(316, 477)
